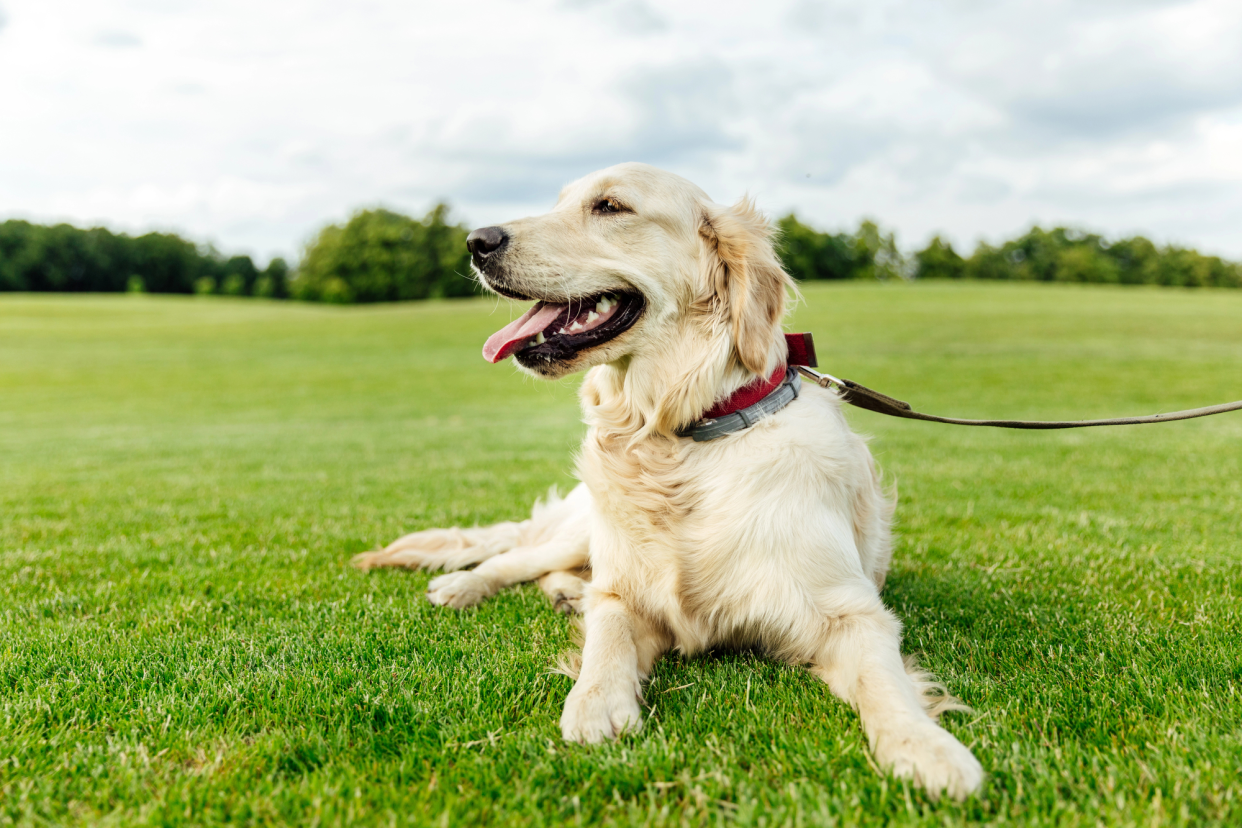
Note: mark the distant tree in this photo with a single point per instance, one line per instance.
(59, 258)
(1085, 263)
(168, 263)
(379, 256)
(809, 254)
(237, 276)
(13, 240)
(65, 258)
(1137, 260)
(233, 285)
(989, 262)
(1231, 274)
(879, 251)
(1188, 268)
(939, 261)
(1069, 255)
(273, 282)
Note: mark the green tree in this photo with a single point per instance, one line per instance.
(939, 261)
(168, 263)
(65, 258)
(237, 276)
(1189, 268)
(809, 254)
(1060, 254)
(988, 262)
(233, 285)
(60, 258)
(1085, 263)
(1137, 260)
(879, 253)
(273, 282)
(379, 256)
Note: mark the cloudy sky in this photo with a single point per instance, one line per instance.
(250, 124)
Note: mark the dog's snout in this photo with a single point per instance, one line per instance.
(486, 241)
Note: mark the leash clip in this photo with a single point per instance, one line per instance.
(822, 380)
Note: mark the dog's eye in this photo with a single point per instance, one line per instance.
(607, 205)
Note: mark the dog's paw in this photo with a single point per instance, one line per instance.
(933, 759)
(568, 601)
(594, 713)
(458, 590)
(567, 591)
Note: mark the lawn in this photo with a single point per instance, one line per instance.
(182, 641)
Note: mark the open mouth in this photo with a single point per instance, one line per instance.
(559, 331)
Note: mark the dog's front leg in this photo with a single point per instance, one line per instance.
(617, 653)
(861, 661)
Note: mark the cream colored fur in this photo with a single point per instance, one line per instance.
(776, 536)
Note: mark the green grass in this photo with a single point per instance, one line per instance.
(182, 483)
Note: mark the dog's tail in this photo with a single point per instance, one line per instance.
(455, 548)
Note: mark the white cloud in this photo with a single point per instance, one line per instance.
(117, 40)
(251, 124)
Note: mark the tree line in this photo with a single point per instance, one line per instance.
(36, 257)
(1062, 254)
(380, 256)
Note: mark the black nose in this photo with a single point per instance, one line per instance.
(485, 241)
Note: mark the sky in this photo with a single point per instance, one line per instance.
(251, 125)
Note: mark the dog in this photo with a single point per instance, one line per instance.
(775, 535)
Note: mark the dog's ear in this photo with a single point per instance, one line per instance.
(742, 271)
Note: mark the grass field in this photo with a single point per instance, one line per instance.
(183, 481)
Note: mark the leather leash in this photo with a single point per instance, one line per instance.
(864, 397)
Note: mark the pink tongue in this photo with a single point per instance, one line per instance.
(515, 335)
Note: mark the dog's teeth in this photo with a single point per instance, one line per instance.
(561, 331)
(577, 326)
(591, 317)
(540, 338)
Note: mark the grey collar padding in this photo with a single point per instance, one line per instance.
(785, 393)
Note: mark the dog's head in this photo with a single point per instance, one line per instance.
(633, 263)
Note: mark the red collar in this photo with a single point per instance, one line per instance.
(801, 352)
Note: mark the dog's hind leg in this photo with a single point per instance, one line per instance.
(455, 548)
(526, 563)
(564, 546)
(558, 545)
(565, 543)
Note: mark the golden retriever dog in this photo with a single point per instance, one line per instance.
(774, 536)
